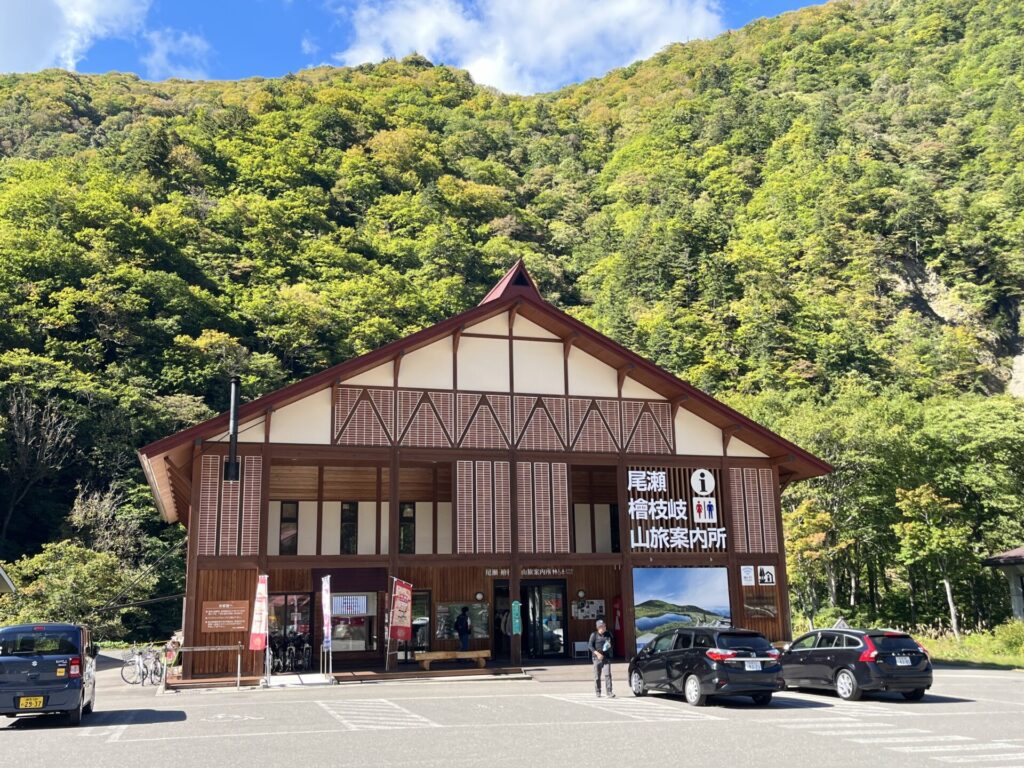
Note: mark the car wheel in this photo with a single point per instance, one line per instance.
(637, 684)
(691, 690)
(762, 699)
(846, 686)
(75, 715)
(915, 695)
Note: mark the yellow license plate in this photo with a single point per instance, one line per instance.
(61, 671)
(30, 702)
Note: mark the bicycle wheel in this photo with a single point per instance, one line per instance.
(130, 672)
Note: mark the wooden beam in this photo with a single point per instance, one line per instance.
(623, 372)
(776, 461)
(727, 433)
(455, 339)
(178, 478)
(398, 364)
(512, 312)
(567, 343)
(675, 402)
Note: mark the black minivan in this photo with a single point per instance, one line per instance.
(852, 661)
(707, 661)
(47, 668)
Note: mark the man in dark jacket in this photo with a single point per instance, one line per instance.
(601, 652)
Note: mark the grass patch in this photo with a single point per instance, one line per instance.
(1003, 646)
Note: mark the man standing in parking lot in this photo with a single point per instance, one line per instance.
(601, 653)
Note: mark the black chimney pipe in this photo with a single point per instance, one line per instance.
(231, 468)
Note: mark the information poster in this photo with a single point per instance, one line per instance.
(225, 616)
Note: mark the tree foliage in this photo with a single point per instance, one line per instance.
(819, 216)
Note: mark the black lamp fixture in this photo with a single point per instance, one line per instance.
(231, 468)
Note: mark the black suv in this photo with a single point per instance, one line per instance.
(856, 660)
(707, 661)
(47, 668)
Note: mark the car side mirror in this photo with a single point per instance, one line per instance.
(93, 651)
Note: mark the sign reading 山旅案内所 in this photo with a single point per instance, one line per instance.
(674, 510)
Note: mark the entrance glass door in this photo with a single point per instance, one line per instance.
(544, 619)
(289, 625)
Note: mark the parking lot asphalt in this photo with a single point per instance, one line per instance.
(970, 717)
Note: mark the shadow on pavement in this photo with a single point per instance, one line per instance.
(103, 719)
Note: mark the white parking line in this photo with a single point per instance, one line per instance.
(950, 748)
(908, 739)
(645, 710)
(981, 758)
(375, 715)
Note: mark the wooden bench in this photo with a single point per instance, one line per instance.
(427, 657)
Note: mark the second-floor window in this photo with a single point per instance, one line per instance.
(349, 527)
(407, 528)
(289, 528)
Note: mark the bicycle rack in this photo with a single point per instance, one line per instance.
(238, 659)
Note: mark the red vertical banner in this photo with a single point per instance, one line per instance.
(258, 632)
(401, 611)
(325, 601)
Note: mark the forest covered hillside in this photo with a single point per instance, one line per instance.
(818, 218)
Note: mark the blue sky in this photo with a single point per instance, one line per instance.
(704, 587)
(521, 46)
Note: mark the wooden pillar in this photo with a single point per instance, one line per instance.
(191, 559)
(626, 576)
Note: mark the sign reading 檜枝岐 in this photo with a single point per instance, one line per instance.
(662, 519)
(225, 616)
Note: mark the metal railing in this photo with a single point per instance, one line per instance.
(237, 647)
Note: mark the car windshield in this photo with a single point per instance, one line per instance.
(892, 644)
(737, 642)
(27, 642)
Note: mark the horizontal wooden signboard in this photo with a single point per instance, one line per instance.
(225, 616)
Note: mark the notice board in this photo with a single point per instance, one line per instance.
(225, 616)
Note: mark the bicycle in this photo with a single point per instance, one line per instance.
(142, 665)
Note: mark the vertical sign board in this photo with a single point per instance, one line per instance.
(325, 605)
(401, 611)
(258, 631)
(662, 518)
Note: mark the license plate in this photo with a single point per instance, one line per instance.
(30, 702)
(902, 661)
(752, 666)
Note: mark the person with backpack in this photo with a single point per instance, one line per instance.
(601, 645)
(463, 628)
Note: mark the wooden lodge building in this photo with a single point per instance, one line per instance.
(510, 453)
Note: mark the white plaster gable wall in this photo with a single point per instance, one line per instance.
(483, 364)
(589, 376)
(428, 367)
(740, 449)
(305, 421)
(633, 388)
(497, 325)
(381, 376)
(538, 367)
(526, 327)
(696, 437)
(249, 432)
(330, 541)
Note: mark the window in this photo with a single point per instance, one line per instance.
(701, 640)
(850, 641)
(804, 643)
(614, 522)
(289, 543)
(684, 640)
(353, 622)
(349, 527)
(744, 642)
(663, 643)
(829, 640)
(407, 528)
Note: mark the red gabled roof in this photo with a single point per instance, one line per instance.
(516, 289)
(516, 282)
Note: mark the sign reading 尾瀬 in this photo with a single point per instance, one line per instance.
(662, 519)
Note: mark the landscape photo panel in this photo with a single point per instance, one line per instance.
(674, 598)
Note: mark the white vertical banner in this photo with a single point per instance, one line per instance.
(258, 631)
(325, 599)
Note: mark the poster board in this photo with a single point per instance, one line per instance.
(225, 616)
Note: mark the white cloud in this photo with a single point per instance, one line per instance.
(525, 46)
(57, 33)
(174, 53)
(309, 46)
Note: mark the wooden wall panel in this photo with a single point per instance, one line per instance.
(223, 585)
(600, 582)
(293, 483)
(290, 580)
